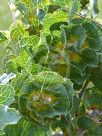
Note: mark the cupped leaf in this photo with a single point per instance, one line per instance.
(92, 43)
(6, 94)
(51, 101)
(93, 99)
(80, 34)
(25, 111)
(8, 116)
(75, 35)
(90, 29)
(82, 59)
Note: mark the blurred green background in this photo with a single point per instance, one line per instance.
(6, 20)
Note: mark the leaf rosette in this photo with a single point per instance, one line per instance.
(48, 98)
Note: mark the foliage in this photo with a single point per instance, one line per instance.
(56, 55)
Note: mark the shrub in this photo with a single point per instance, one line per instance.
(56, 56)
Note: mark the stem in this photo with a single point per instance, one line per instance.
(65, 132)
(83, 88)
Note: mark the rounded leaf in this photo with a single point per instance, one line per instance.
(85, 122)
(6, 94)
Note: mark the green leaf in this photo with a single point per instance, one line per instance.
(17, 129)
(79, 35)
(91, 29)
(51, 19)
(57, 26)
(2, 38)
(76, 60)
(8, 116)
(86, 57)
(6, 94)
(34, 69)
(92, 43)
(22, 59)
(25, 128)
(48, 101)
(29, 41)
(74, 9)
(76, 75)
(93, 99)
(11, 66)
(18, 32)
(49, 78)
(61, 3)
(19, 80)
(84, 2)
(20, 6)
(78, 20)
(89, 56)
(85, 122)
(76, 36)
(7, 58)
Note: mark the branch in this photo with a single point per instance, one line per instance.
(83, 88)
